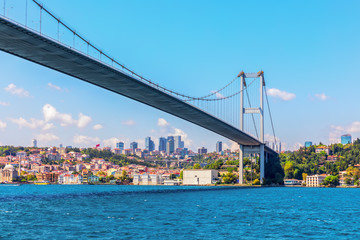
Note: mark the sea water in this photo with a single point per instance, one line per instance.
(175, 212)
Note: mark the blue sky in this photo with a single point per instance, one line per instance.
(306, 48)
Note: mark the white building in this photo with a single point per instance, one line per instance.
(70, 179)
(200, 177)
(315, 180)
(147, 179)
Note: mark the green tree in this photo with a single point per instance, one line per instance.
(229, 178)
(181, 175)
(331, 181)
(197, 166)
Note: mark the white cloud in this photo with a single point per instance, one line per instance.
(54, 86)
(47, 137)
(184, 137)
(97, 127)
(48, 126)
(50, 113)
(285, 96)
(33, 123)
(85, 140)
(4, 104)
(83, 120)
(2, 125)
(11, 88)
(111, 142)
(128, 123)
(321, 96)
(162, 122)
(270, 138)
(337, 131)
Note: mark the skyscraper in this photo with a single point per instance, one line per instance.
(219, 146)
(34, 143)
(346, 139)
(120, 145)
(133, 146)
(162, 144)
(149, 144)
(178, 142)
(170, 145)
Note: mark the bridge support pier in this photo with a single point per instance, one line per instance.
(262, 163)
(241, 164)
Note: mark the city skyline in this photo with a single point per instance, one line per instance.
(54, 108)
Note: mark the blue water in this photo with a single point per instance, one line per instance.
(162, 212)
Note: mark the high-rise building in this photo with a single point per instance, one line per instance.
(170, 146)
(34, 143)
(202, 150)
(133, 146)
(149, 144)
(219, 146)
(346, 139)
(120, 145)
(162, 144)
(178, 142)
(308, 144)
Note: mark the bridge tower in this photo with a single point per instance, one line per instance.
(252, 110)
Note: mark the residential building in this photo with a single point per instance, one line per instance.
(308, 144)
(315, 180)
(219, 146)
(93, 179)
(162, 144)
(320, 149)
(149, 144)
(147, 179)
(202, 151)
(200, 177)
(50, 177)
(292, 182)
(21, 154)
(120, 145)
(346, 139)
(70, 179)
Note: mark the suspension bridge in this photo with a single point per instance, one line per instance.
(236, 111)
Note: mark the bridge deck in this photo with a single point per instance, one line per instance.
(28, 44)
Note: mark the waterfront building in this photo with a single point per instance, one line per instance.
(308, 144)
(219, 146)
(133, 146)
(346, 139)
(34, 143)
(315, 180)
(170, 145)
(120, 145)
(46, 176)
(202, 151)
(93, 179)
(149, 144)
(200, 177)
(8, 173)
(162, 144)
(70, 179)
(147, 179)
(292, 182)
